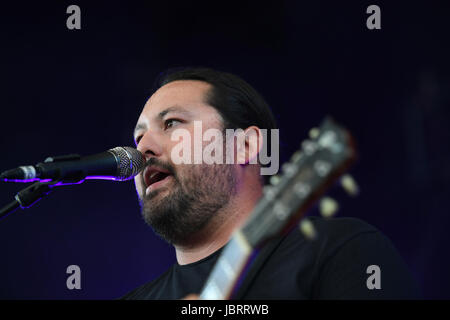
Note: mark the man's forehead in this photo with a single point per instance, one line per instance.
(180, 92)
(182, 96)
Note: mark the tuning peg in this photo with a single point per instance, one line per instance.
(274, 180)
(349, 184)
(314, 133)
(288, 169)
(307, 229)
(328, 207)
(269, 193)
(296, 156)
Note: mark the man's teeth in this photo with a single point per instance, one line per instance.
(153, 174)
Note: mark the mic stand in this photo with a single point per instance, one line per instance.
(38, 190)
(28, 197)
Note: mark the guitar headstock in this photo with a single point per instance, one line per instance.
(305, 177)
(320, 161)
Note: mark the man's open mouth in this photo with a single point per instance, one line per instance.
(155, 177)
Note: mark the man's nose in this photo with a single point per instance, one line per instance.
(150, 145)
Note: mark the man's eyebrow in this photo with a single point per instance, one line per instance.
(161, 115)
(174, 108)
(139, 127)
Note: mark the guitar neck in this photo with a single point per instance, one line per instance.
(227, 271)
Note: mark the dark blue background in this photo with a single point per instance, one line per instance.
(66, 91)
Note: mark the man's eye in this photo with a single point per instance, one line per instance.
(170, 122)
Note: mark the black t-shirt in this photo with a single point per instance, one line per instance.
(333, 266)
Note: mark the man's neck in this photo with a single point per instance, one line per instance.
(191, 253)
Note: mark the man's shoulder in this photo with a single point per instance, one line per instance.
(334, 265)
(332, 238)
(342, 255)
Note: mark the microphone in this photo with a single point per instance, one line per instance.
(118, 164)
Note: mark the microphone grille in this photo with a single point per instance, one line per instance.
(130, 162)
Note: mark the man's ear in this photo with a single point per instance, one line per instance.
(249, 148)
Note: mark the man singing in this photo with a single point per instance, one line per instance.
(196, 205)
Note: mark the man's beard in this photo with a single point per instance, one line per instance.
(191, 201)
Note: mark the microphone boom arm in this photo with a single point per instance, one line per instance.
(28, 197)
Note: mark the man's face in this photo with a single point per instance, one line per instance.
(179, 200)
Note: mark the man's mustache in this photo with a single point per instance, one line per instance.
(158, 164)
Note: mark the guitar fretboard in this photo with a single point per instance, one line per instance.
(231, 262)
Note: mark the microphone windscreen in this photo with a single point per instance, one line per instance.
(130, 162)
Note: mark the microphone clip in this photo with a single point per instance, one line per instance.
(27, 197)
(30, 195)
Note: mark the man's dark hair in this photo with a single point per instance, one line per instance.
(239, 104)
